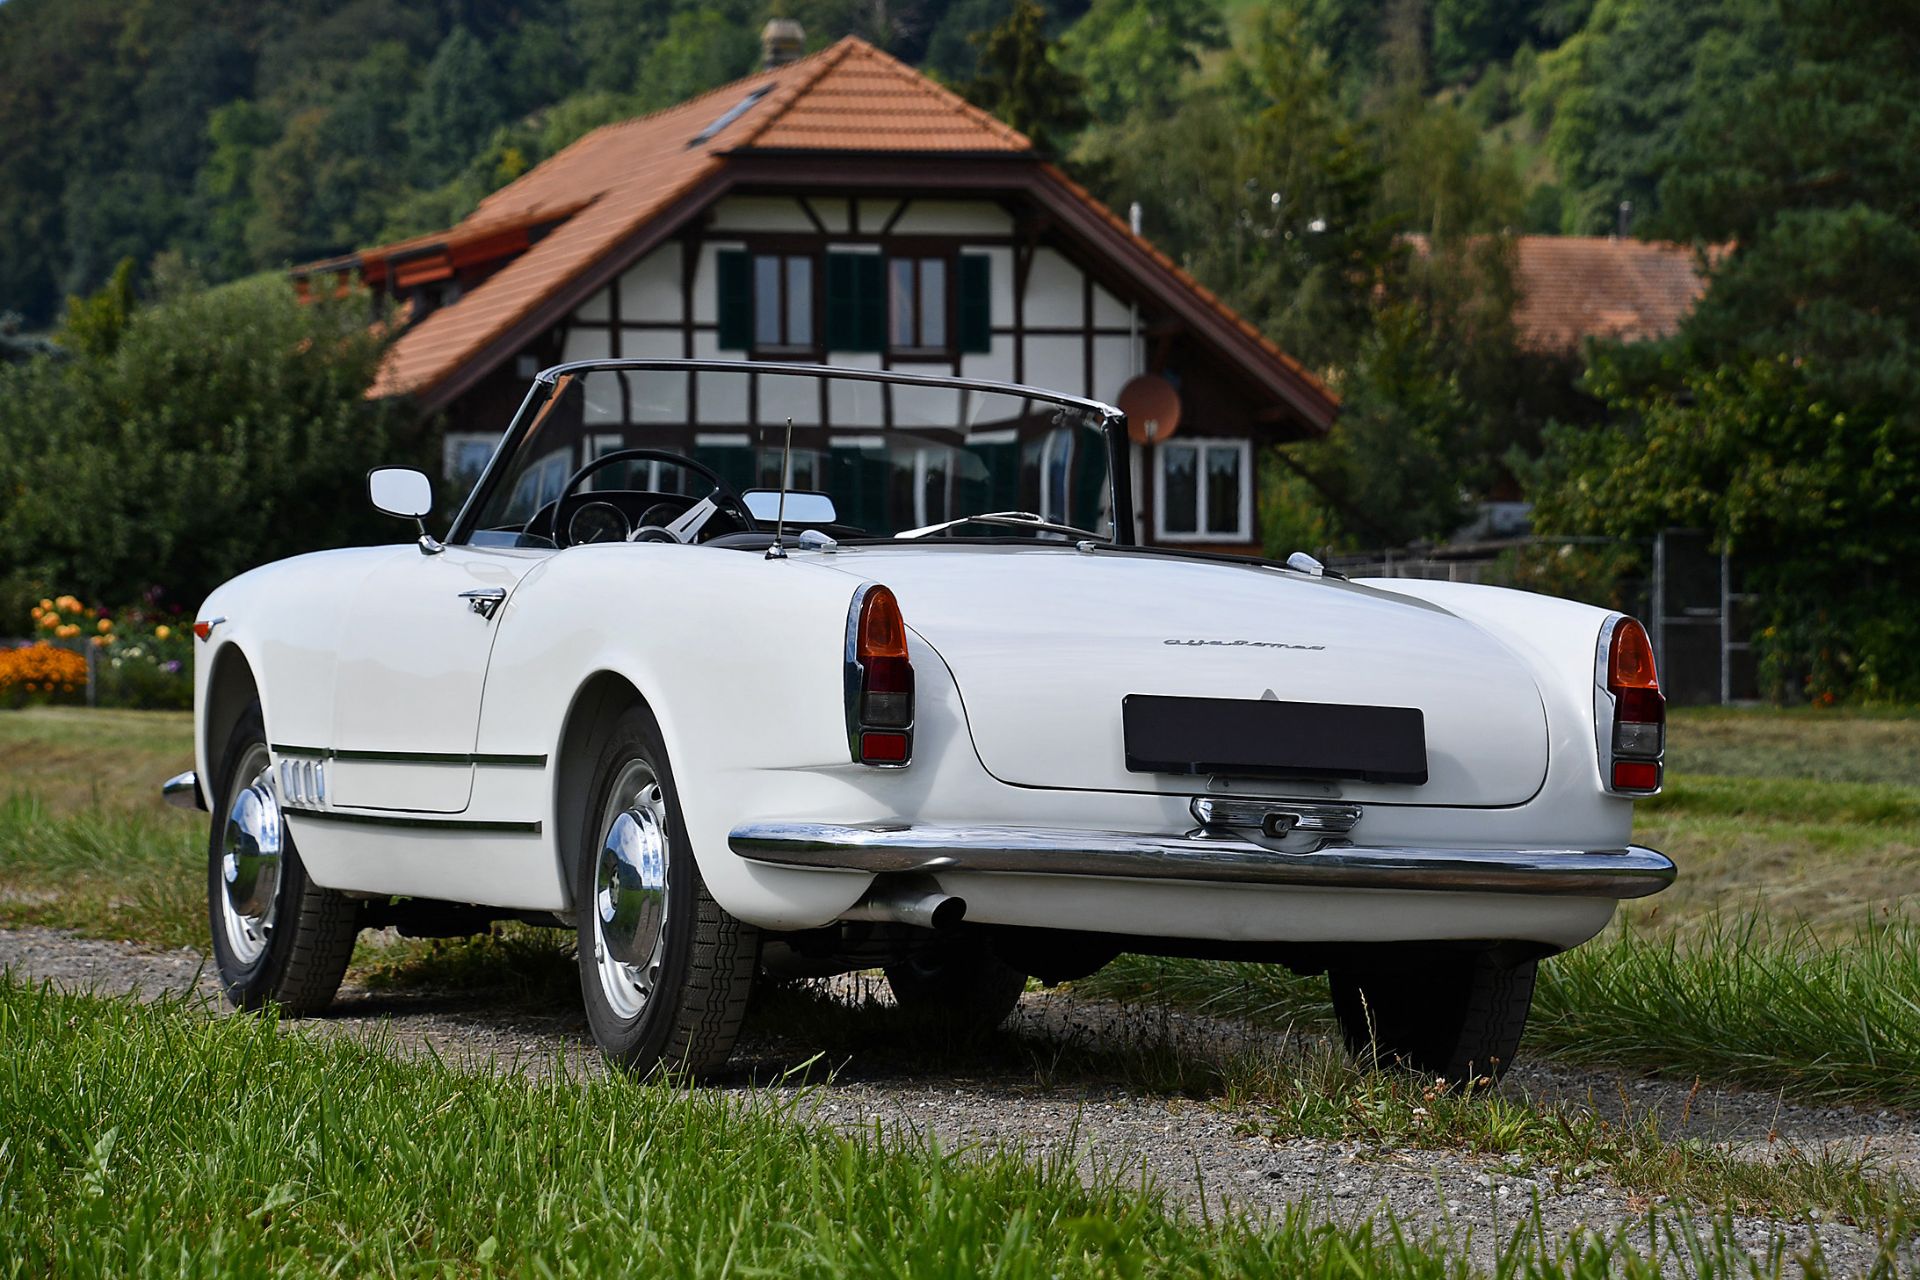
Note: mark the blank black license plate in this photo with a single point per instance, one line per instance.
(1265, 738)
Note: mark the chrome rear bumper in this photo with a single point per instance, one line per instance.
(1631, 872)
(182, 791)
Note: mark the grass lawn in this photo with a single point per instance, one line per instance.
(1802, 832)
(141, 1139)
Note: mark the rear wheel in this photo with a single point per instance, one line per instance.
(1460, 1016)
(277, 937)
(664, 971)
(960, 981)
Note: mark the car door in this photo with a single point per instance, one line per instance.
(412, 665)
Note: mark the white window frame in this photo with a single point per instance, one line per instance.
(1244, 532)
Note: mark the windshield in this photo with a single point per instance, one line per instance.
(893, 456)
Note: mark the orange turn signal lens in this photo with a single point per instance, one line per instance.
(883, 633)
(1630, 662)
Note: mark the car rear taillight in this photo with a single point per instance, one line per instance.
(1630, 712)
(879, 679)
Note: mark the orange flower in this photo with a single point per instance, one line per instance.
(100, 641)
(106, 625)
(68, 604)
(66, 632)
(162, 631)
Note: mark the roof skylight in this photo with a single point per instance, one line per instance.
(731, 114)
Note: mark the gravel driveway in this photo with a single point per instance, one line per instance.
(1204, 1154)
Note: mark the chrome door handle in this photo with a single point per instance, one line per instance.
(484, 600)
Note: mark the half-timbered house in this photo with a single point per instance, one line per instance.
(839, 208)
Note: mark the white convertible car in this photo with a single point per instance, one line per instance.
(740, 668)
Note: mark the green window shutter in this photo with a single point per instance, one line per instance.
(872, 273)
(735, 268)
(976, 302)
(856, 302)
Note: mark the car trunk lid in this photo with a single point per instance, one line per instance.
(1047, 644)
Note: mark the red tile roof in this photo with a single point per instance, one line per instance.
(1576, 287)
(626, 182)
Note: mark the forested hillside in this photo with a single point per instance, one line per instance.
(244, 135)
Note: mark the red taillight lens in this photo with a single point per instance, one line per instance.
(883, 748)
(879, 681)
(203, 629)
(1639, 731)
(1636, 775)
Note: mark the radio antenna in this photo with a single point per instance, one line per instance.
(776, 551)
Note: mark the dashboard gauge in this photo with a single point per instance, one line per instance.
(597, 522)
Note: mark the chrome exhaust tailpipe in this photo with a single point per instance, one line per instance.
(924, 908)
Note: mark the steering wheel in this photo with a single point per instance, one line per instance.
(687, 528)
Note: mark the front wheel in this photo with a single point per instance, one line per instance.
(1459, 1016)
(277, 937)
(664, 971)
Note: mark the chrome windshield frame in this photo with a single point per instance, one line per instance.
(1113, 423)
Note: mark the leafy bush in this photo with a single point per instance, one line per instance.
(193, 439)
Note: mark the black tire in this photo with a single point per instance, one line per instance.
(1459, 1016)
(707, 959)
(313, 929)
(961, 982)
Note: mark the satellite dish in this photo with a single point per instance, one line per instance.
(1152, 407)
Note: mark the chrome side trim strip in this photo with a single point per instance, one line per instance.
(407, 820)
(1632, 872)
(409, 757)
(182, 791)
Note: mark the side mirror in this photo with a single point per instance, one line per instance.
(404, 492)
(400, 491)
(803, 507)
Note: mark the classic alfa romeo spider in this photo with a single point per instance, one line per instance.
(740, 669)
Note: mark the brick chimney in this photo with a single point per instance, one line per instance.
(782, 40)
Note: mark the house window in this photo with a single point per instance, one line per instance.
(1203, 491)
(917, 304)
(782, 301)
(766, 301)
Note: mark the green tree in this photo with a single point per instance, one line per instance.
(1018, 79)
(322, 186)
(1613, 99)
(239, 132)
(454, 110)
(1785, 415)
(1132, 54)
(701, 50)
(1265, 189)
(220, 430)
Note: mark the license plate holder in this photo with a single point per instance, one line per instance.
(1273, 739)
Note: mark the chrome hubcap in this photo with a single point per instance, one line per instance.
(630, 890)
(250, 859)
